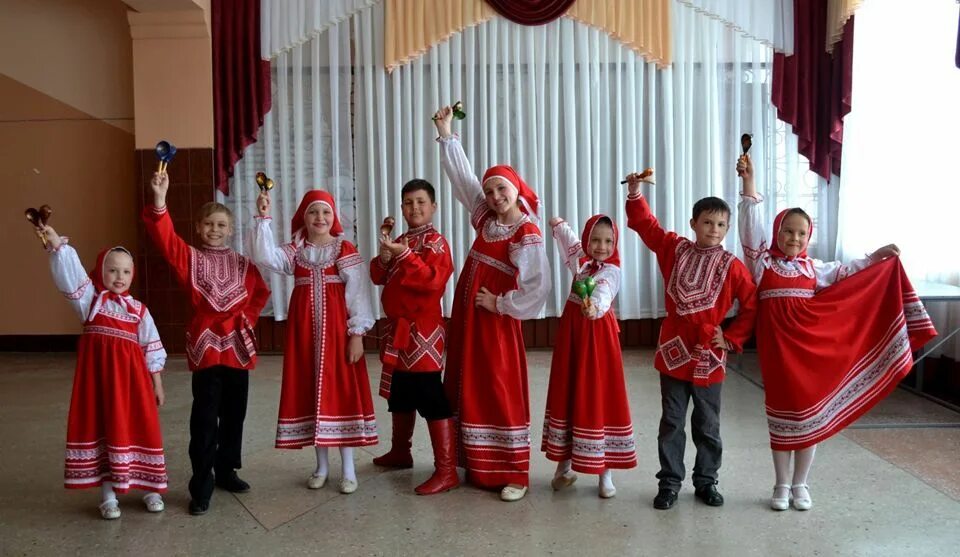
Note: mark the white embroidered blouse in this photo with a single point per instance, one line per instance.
(753, 236)
(528, 255)
(356, 279)
(74, 283)
(607, 277)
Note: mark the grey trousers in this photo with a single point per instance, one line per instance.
(675, 396)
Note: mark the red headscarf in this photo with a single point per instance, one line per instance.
(529, 202)
(614, 258)
(314, 196)
(775, 244)
(103, 293)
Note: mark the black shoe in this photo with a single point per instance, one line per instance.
(709, 495)
(232, 483)
(666, 498)
(199, 507)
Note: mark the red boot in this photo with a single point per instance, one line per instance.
(399, 455)
(444, 443)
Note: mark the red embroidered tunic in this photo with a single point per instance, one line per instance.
(227, 294)
(413, 284)
(702, 284)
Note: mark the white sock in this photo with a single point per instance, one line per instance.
(781, 467)
(802, 462)
(106, 492)
(323, 465)
(346, 457)
(606, 479)
(562, 468)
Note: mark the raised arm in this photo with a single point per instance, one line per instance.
(641, 219)
(265, 252)
(466, 185)
(753, 235)
(160, 229)
(568, 244)
(69, 275)
(533, 283)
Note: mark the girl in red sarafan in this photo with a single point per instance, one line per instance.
(113, 429)
(505, 279)
(325, 396)
(822, 371)
(587, 426)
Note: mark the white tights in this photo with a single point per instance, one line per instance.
(802, 461)
(346, 458)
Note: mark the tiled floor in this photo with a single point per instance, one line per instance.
(884, 490)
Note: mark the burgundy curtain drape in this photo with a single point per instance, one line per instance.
(241, 83)
(811, 88)
(531, 12)
(956, 56)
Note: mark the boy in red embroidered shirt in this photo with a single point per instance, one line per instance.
(414, 270)
(227, 294)
(702, 281)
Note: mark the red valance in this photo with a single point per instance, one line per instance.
(531, 12)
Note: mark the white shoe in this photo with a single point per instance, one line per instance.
(110, 509)
(780, 503)
(316, 482)
(154, 503)
(563, 481)
(607, 492)
(801, 497)
(512, 493)
(348, 486)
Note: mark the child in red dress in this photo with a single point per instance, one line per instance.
(325, 396)
(822, 371)
(587, 426)
(506, 278)
(113, 429)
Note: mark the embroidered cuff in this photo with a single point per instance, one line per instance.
(158, 210)
(64, 240)
(634, 196)
(448, 138)
(357, 331)
(756, 198)
(403, 255)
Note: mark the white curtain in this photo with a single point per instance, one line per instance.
(305, 143)
(574, 112)
(900, 158)
(288, 23)
(570, 108)
(767, 21)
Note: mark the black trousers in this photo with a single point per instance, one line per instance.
(216, 425)
(675, 396)
(421, 391)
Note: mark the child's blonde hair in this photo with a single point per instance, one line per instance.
(211, 207)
